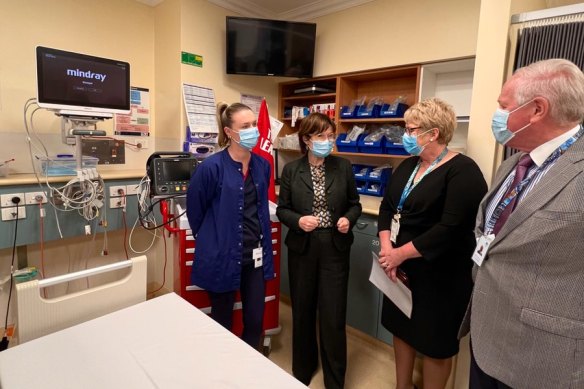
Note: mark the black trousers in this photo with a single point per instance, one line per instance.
(252, 292)
(318, 280)
(478, 379)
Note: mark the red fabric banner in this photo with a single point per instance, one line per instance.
(264, 147)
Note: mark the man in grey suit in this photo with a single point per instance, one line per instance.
(526, 315)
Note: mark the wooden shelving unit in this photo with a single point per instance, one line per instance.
(388, 84)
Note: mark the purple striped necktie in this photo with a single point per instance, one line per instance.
(523, 166)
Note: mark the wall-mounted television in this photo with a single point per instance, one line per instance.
(74, 83)
(265, 47)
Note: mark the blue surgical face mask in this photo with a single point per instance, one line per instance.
(411, 145)
(248, 137)
(321, 149)
(499, 125)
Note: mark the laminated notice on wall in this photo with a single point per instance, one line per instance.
(200, 108)
(137, 122)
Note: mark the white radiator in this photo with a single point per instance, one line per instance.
(37, 316)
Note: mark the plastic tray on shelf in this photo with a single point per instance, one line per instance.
(371, 147)
(361, 171)
(375, 188)
(395, 148)
(379, 174)
(347, 113)
(345, 145)
(361, 186)
(393, 110)
(370, 181)
(364, 112)
(64, 166)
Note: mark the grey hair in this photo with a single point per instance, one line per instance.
(560, 81)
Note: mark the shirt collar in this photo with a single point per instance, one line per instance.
(542, 152)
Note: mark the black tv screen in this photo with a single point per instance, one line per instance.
(264, 47)
(79, 82)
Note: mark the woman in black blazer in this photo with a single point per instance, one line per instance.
(319, 204)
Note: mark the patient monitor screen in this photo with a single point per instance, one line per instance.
(76, 81)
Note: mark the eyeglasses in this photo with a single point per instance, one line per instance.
(410, 130)
(323, 136)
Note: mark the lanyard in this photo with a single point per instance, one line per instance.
(411, 184)
(490, 225)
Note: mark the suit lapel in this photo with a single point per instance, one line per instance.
(554, 181)
(500, 177)
(330, 171)
(304, 172)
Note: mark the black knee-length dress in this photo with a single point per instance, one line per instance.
(438, 217)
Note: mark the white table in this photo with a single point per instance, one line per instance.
(161, 343)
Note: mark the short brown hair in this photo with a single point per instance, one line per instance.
(313, 124)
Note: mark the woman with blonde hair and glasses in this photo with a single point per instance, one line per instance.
(319, 204)
(426, 222)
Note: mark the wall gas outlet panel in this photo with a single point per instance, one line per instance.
(109, 151)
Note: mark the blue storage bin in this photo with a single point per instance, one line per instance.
(361, 171)
(375, 188)
(395, 148)
(347, 113)
(381, 176)
(345, 145)
(373, 112)
(371, 147)
(393, 110)
(361, 186)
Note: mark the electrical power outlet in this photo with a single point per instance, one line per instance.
(10, 213)
(116, 202)
(131, 189)
(117, 190)
(33, 198)
(6, 199)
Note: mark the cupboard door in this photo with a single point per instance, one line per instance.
(363, 296)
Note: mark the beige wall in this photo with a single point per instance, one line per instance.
(492, 61)
(150, 39)
(119, 29)
(167, 74)
(203, 33)
(424, 30)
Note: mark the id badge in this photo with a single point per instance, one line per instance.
(482, 248)
(257, 256)
(394, 228)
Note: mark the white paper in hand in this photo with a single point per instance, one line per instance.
(397, 292)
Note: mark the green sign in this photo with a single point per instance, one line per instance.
(192, 59)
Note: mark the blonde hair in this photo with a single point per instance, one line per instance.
(225, 114)
(434, 113)
(560, 81)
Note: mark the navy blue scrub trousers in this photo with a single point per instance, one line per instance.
(252, 290)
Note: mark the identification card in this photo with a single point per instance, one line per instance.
(482, 248)
(257, 256)
(394, 227)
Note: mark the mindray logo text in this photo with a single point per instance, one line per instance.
(87, 74)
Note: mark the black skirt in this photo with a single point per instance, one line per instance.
(440, 299)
